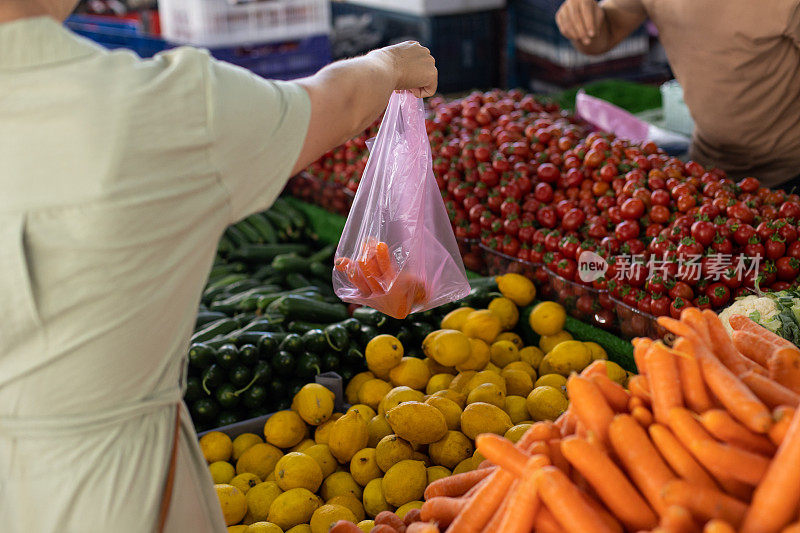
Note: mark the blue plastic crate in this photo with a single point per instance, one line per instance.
(467, 47)
(117, 34)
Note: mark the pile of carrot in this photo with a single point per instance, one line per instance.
(374, 275)
(705, 439)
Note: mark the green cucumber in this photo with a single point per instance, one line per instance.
(292, 343)
(201, 356)
(308, 365)
(255, 397)
(248, 355)
(238, 238)
(261, 324)
(227, 356)
(224, 281)
(212, 378)
(337, 337)
(296, 307)
(353, 358)
(301, 328)
(206, 317)
(297, 218)
(267, 252)
(264, 272)
(295, 280)
(290, 263)
(205, 411)
(223, 270)
(265, 301)
(194, 389)
(369, 316)
(315, 341)
(249, 231)
(255, 337)
(218, 327)
(331, 362)
(225, 245)
(323, 255)
(283, 363)
(226, 397)
(240, 375)
(281, 223)
(319, 270)
(262, 225)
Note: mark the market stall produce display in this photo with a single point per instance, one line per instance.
(705, 438)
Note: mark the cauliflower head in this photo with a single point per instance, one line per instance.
(761, 309)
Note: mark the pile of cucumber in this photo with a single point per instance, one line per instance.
(269, 321)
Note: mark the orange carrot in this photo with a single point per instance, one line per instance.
(724, 348)
(694, 388)
(640, 347)
(566, 422)
(565, 501)
(783, 419)
(480, 508)
(385, 263)
(442, 510)
(704, 503)
(590, 406)
(557, 456)
(643, 416)
(693, 317)
(679, 458)
(635, 402)
(678, 519)
(545, 522)
(456, 485)
(503, 511)
(770, 392)
(718, 526)
(502, 452)
(727, 387)
(539, 431)
(616, 396)
(665, 385)
(640, 388)
(752, 346)
(610, 522)
(722, 426)
(742, 323)
(784, 367)
(640, 459)
(523, 503)
(792, 528)
(776, 499)
(610, 483)
(595, 368)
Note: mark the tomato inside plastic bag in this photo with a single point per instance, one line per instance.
(398, 253)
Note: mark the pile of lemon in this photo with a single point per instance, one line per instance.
(412, 420)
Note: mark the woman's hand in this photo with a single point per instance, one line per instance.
(579, 20)
(414, 67)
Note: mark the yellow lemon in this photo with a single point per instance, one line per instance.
(516, 432)
(216, 446)
(450, 348)
(321, 453)
(438, 382)
(547, 318)
(374, 500)
(503, 353)
(546, 403)
(506, 311)
(383, 353)
(263, 527)
(467, 465)
(352, 503)
(245, 482)
(516, 288)
(568, 357)
(315, 403)
(298, 470)
(221, 472)
(327, 515)
(348, 435)
(482, 417)
(419, 456)
(398, 395)
(259, 500)
(513, 337)
(364, 466)
(293, 507)
(487, 376)
(478, 456)
(241, 528)
(365, 411)
(391, 450)
(487, 393)
(284, 429)
(484, 325)
(404, 482)
(449, 408)
(436, 368)
(300, 528)
(366, 525)
(450, 450)
(378, 428)
(259, 460)
(524, 367)
(455, 319)
(373, 391)
(616, 373)
(596, 351)
(303, 445)
(548, 342)
(437, 472)
(478, 358)
(462, 379)
(411, 372)
(323, 431)
(406, 507)
(417, 422)
(518, 382)
(340, 484)
(557, 381)
(233, 503)
(351, 391)
(458, 398)
(517, 408)
(243, 442)
(532, 355)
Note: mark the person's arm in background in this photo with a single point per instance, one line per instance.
(595, 28)
(347, 96)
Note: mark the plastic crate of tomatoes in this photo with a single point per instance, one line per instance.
(329, 195)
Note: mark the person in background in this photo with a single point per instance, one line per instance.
(738, 62)
(119, 176)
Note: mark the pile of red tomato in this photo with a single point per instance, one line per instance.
(529, 181)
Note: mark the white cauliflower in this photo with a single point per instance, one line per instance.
(761, 309)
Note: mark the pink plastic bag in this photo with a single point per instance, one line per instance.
(398, 253)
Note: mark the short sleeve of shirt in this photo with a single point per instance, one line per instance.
(258, 128)
(793, 28)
